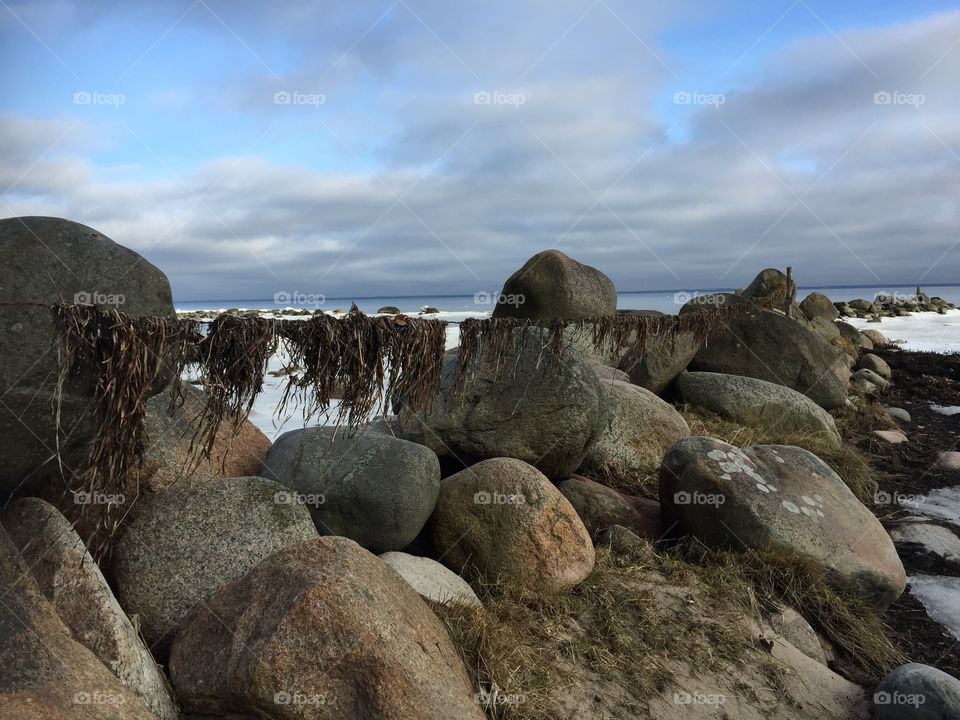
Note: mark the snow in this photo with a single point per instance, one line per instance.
(943, 503)
(928, 331)
(945, 409)
(940, 597)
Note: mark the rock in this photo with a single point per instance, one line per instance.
(711, 300)
(785, 498)
(504, 520)
(48, 260)
(621, 540)
(949, 460)
(849, 333)
(894, 437)
(655, 363)
(609, 374)
(869, 361)
(817, 305)
(876, 337)
(917, 692)
(768, 346)
(389, 310)
(757, 402)
(871, 377)
(497, 414)
(862, 305)
(599, 507)
(168, 457)
(932, 548)
(641, 429)
(428, 310)
(794, 628)
(898, 414)
(827, 329)
(44, 673)
(71, 581)
(372, 488)
(194, 538)
(771, 286)
(551, 286)
(432, 580)
(321, 629)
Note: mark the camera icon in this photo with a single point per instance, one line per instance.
(482, 98)
(881, 698)
(882, 498)
(83, 298)
(681, 498)
(82, 97)
(282, 98)
(281, 297)
(682, 98)
(882, 98)
(283, 497)
(682, 297)
(482, 498)
(82, 698)
(281, 698)
(483, 298)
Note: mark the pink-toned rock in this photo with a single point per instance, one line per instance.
(322, 630)
(894, 437)
(949, 460)
(503, 519)
(599, 507)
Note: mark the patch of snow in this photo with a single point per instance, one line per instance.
(940, 597)
(945, 409)
(929, 332)
(942, 503)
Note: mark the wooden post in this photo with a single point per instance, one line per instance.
(791, 292)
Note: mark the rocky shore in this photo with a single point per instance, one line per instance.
(730, 525)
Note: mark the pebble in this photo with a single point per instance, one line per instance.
(898, 414)
(894, 437)
(949, 460)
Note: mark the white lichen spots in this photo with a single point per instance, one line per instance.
(729, 467)
(764, 488)
(791, 507)
(717, 454)
(807, 511)
(809, 501)
(779, 459)
(818, 498)
(725, 476)
(820, 513)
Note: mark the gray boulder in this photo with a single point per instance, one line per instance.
(640, 430)
(780, 497)
(757, 402)
(850, 333)
(375, 489)
(551, 286)
(876, 364)
(196, 537)
(771, 286)
(917, 692)
(527, 410)
(876, 337)
(432, 580)
(48, 260)
(768, 346)
(712, 300)
(599, 507)
(71, 581)
(654, 364)
(817, 305)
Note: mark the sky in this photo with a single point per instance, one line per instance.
(413, 147)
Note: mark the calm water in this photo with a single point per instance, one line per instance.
(664, 301)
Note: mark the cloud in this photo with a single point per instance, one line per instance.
(409, 184)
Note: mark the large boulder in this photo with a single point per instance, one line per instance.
(640, 430)
(432, 580)
(552, 286)
(917, 692)
(375, 489)
(48, 260)
(816, 305)
(877, 364)
(771, 286)
(601, 507)
(194, 538)
(44, 673)
(527, 410)
(780, 497)
(502, 519)
(849, 333)
(325, 630)
(768, 346)
(656, 362)
(757, 402)
(168, 457)
(71, 581)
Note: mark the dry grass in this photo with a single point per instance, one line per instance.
(848, 462)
